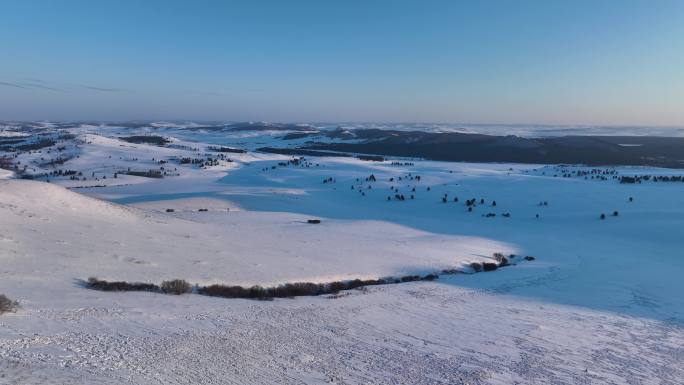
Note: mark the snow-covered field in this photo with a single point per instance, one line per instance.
(601, 303)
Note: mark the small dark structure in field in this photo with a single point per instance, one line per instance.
(313, 221)
(170, 210)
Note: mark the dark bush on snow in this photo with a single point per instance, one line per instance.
(146, 139)
(489, 266)
(7, 305)
(176, 286)
(258, 292)
(295, 289)
(410, 278)
(227, 149)
(314, 221)
(98, 284)
(476, 266)
(335, 287)
(529, 258)
(501, 259)
(298, 289)
(146, 174)
(224, 291)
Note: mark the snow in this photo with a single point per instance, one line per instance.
(6, 174)
(11, 134)
(228, 247)
(600, 304)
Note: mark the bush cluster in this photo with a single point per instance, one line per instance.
(476, 266)
(489, 266)
(7, 305)
(99, 284)
(298, 289)
(176, 286)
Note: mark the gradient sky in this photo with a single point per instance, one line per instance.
(550, 62)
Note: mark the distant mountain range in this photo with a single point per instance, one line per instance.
(590, 150)
(430, 141)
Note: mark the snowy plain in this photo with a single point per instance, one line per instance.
(601, 303)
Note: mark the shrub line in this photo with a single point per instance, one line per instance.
(288, 290)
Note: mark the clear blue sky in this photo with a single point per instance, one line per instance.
(555, 62)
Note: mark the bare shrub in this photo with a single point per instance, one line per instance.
(335, 287)
(489, 266)
(476, 266)
(176, 286)
(410, 278)
(98, 284)
(296, 289)
(7, 305)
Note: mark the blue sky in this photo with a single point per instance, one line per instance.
(549, 62)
